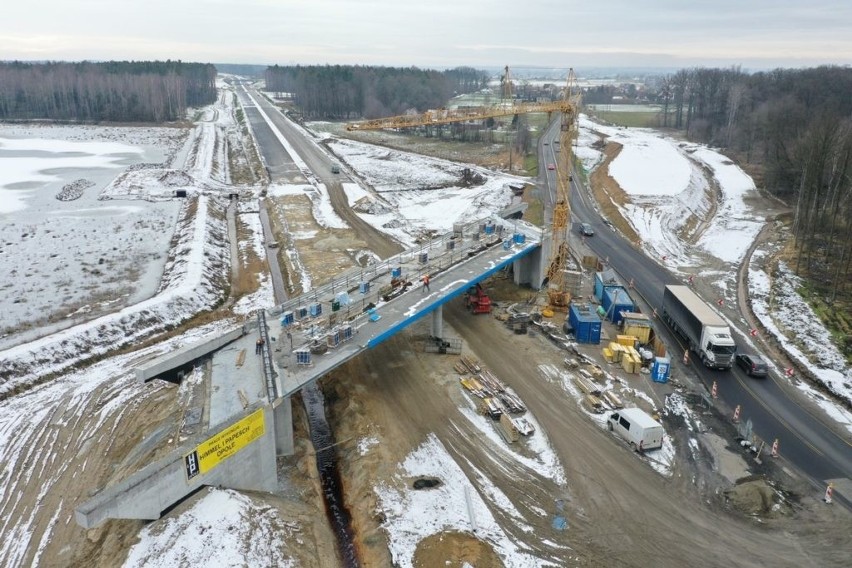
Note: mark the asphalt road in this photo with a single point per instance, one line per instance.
(317, 160)
(806, 439)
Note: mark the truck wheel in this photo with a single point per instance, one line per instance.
(632, 446)
(609, 425)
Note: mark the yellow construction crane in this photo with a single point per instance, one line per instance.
(568, 105)
(557, 294)
(506, 107)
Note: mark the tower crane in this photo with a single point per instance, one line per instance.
(568, 107)
(558, 296)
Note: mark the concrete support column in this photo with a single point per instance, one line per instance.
(532, 269)
(438, 322)
(282, 416)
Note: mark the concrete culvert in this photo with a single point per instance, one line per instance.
(426, 483)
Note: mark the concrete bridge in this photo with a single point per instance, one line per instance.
(303, 339)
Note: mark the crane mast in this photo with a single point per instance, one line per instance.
(558, 296)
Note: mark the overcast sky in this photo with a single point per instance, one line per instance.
(435, 33)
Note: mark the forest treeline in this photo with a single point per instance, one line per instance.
(113, 91)
(795, 125)
(352, 92)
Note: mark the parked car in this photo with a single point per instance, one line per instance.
(335, 169)
(753, 365)
(586, 230)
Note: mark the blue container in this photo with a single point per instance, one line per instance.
(585, 322)
(347, 332)
(519, 238)
(616, 300)
(603, 280)
(396, 272)
(315, 309)
(287, 318)
(364, 287)
(423, 258)
(660, 370)
(303, 357)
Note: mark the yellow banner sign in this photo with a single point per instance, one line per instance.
(209, 453)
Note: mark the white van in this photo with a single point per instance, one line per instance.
(640, 430)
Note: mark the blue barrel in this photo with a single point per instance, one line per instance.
(519, 238)
(489, 229)
(396, 272)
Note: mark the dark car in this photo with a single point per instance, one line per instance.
(753, 365)
(586, 230)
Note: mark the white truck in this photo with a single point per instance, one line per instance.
(640, 430)
(705, 330)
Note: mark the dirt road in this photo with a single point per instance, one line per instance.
(620, 511)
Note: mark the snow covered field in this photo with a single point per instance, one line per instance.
(66, 260)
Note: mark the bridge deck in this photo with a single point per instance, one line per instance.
(318, 331)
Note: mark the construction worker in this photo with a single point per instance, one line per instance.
(426, 282)
(258, 345)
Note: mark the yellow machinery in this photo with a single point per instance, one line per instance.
(568, 106)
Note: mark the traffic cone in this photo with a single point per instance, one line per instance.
(774, 453)
(828, 491)
(737, 414)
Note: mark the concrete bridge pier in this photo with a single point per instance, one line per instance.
(282, 415)
(438, 322)
(531, 269)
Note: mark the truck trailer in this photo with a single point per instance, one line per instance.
(708, 335)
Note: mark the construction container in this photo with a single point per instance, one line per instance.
(603, 280)
(615, 301)
(315, 309)
(347, 333)
(364, 287)
(287, 318)
(660, 370)
(301, 312)
(423, 257)
(638, 325)
(585, 323)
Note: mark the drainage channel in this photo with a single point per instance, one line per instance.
(338, 514)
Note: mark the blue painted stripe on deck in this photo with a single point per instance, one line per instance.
(451, 295)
